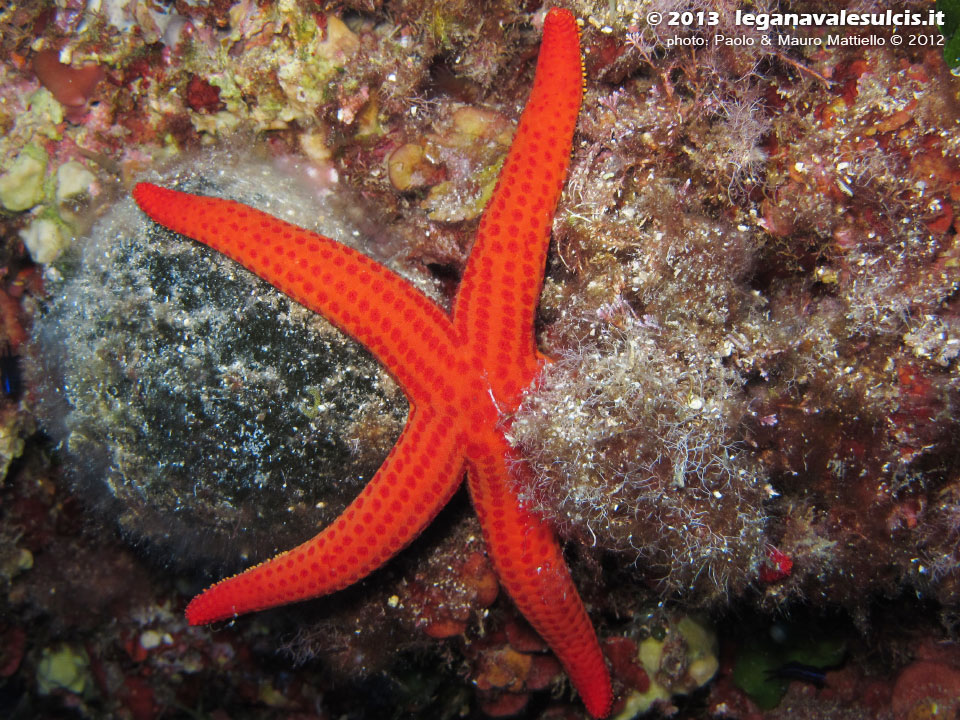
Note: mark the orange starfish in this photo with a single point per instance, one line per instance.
(463, 376)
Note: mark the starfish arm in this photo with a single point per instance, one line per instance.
(531, 567)
(497, 300)
(407, 332)
(417, 479)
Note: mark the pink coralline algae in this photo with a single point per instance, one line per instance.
(927, 689)
(202, 96)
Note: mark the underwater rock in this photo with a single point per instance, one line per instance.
(202, 409)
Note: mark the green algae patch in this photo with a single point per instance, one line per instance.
(763, 667)
(951, 32)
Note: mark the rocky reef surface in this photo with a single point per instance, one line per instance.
(749, 437)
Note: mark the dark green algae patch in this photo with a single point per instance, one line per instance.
(200, 408)
(765, 665)
(951, 33)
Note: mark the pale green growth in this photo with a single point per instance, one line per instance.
(27, 120)
(11, 441)
(73, 179)
(45, 238)
(684, 659)
(21, 186)
(66, 668)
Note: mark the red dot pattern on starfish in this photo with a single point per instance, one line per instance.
(497, 301)
(462, 376)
